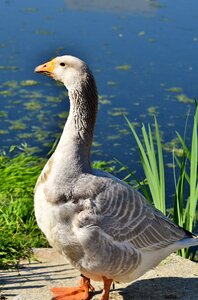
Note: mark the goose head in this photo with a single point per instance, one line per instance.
(69, 70)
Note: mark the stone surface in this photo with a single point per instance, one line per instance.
(174, 278)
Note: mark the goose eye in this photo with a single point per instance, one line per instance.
(62, 64)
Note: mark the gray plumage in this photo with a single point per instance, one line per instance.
(103, 226)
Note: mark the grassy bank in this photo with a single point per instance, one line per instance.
(19, 232)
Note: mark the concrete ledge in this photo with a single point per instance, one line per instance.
(174, 278)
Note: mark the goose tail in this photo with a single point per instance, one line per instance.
(188, 241)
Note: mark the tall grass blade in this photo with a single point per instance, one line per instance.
(193, 175)
(152, 163)
(185, 211)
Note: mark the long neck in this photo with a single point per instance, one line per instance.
(77, 136)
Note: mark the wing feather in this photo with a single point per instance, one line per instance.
(126, 216)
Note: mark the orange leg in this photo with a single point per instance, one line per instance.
(74, 293)
(107, 285)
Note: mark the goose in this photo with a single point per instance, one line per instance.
(107, 230)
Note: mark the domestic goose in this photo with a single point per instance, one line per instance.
(107, 230)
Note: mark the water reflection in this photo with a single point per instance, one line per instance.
(147, 7)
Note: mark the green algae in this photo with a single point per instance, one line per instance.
(141, 33)
(124, 67)
(63, 115)
(53, 99)
(113, 137)
(40, 134)
(32, 105)
(124, 131)
(3, 114)
(6, 93)
(152, 110)
(135, 124)
(174, 144)
(2, 131)
(17, 125)
(170, 165)
(97, 152)
(10, 68)
(112, 83)
(30, 94)
(175, 89)
(116, 144)
(43, 116)
(115, 126)
(184, 98)
(103, 100)
(13, 84)
(25, 135)
(16, 102)
(118, 111)
(115, 113)
(29, 82)
(96, 144)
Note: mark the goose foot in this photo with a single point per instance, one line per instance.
(74, 293)
(107, 285)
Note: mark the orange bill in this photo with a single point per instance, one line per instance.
(46, 68)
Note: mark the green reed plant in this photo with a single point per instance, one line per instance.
(186, 184)
(152, 163)
(185, 203)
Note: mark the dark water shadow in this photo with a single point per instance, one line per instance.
(162, 288)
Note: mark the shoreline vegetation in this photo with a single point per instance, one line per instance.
(19, 231)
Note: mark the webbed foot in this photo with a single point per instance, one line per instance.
(74, 293)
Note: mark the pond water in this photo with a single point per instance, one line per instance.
(143, 55)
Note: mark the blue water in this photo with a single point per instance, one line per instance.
(154, 42)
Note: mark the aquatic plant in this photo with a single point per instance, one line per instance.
(29, 82)
(10, 68)
(183, 98)
(32, 105)
(123, 67)
(186, 184)
(175, 89)
(17, 125)
(152, 164)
